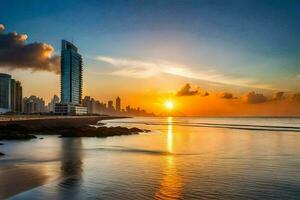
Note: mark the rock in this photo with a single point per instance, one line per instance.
(99, 132)
(16, 136)
(41, 138)
(18, 132)
(15, 132)
(2, 154)
(1, 144)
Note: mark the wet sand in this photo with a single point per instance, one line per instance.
(23, 177)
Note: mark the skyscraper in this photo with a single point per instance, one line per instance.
(19, 97)
(15, 96)
(110, 106)
(71, 81)
(5, 80)
(71, 74)
(12, 94)
(118, 104)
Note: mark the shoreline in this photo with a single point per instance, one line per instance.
(62, 127)
(79, 126)
(52, 120)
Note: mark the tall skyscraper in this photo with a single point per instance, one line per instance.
(71, 74)
(15, 96)
(5, 80)
(118, 104)
(19, 97)
(12, 94)
(110, 106)
(71, 81)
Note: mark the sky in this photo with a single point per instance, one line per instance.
(243, 54)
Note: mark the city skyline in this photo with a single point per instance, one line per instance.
(232, 66)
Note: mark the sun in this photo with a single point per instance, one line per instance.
(169, 105)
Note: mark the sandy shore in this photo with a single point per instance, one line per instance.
(29, 176)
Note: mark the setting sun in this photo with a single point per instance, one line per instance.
(169, 105)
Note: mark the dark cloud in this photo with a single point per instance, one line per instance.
(205, 94)
(296, 97)
(226, 95)
(15, 54)
(253, 98)
(278, 96)
(186, 90)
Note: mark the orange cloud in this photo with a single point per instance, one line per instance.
(296, 97)
(254, 98)
(278, 96)
(225, 95)
(186, 90)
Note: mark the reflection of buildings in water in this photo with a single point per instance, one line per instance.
(171, 184)
(71, 167)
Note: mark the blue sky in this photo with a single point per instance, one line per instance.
(242, 43)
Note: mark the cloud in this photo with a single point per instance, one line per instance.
(225, 95)
(205, 94)
(278, 96)
(186, 90)
(254, 98)
(145, 69)
(15, 54)
(296, 97)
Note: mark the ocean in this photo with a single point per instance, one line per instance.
(181, 158)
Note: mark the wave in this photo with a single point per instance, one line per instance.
(141, 151)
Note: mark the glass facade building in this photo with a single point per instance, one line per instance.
(71, 74)
(5, 89)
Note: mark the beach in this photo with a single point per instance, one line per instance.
(180, 159)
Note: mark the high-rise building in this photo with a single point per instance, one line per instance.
(118, 104)
(51, 104)
(10, 94)
(71, 74)
(5, 101)
(19, 97)
(110, 106)
(13, 94)
(33, 105)
(90, 103)
(71, 81)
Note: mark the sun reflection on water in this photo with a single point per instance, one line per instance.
(171, 184)
(170, 135)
